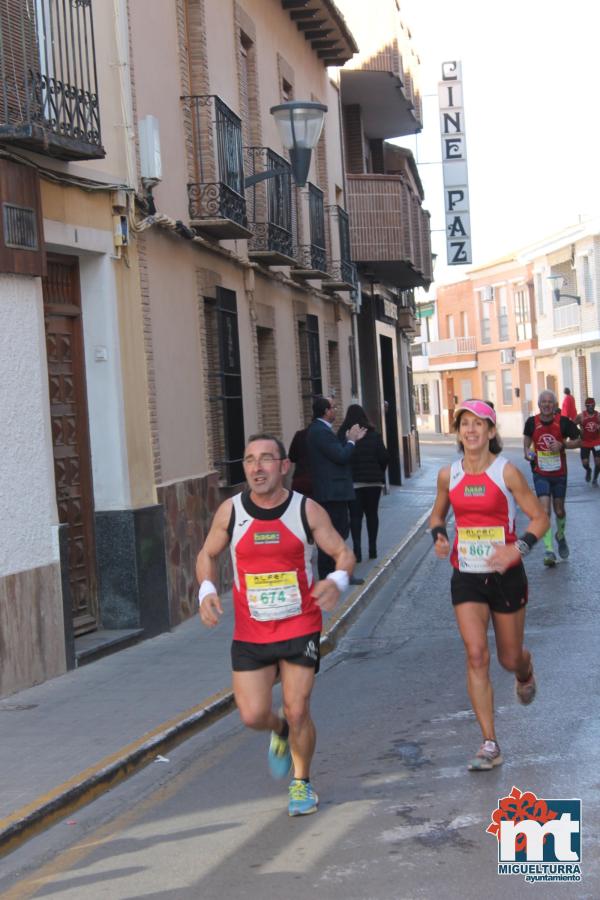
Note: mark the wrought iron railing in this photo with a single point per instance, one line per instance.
(341, 267)
(314, 254)
(218, 187)
(48, 77)
(269, 202)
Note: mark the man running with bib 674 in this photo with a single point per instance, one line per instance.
(278, 609)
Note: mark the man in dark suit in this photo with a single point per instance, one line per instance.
(331, 473)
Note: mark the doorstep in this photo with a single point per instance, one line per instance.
(96, 644)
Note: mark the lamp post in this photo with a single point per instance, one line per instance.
(558, 282)
(300, 123)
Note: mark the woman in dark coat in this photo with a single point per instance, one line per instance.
(369, 462)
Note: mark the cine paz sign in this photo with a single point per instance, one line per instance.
(454, 165)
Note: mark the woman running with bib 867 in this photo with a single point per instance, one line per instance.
(483, 489)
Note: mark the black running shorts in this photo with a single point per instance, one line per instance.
(303, 651)
(503, 593)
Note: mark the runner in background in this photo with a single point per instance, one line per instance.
(589, 423)
(546, 436)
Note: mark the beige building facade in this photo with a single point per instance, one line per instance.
(159, 306)
(567, 307)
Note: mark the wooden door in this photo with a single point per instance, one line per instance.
(70, 434)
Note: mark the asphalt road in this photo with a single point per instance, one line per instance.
(400, 816)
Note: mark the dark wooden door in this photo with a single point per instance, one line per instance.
(70, 434)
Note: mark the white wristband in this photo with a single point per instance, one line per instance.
(341, 579)
(207, 587)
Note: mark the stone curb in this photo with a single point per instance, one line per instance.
(91, 783)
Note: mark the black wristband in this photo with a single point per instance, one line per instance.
(439, 529)
(529, 539)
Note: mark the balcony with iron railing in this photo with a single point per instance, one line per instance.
(48, 79)
(341, 268)
(311, 256)
(389, 230)
(269, 205)
(216, 195)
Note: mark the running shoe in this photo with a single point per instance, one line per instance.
(280, 758)
(303, 799)
(563, 547)
(588, 474)
(526, 690)
(549, 559)
(487, 757)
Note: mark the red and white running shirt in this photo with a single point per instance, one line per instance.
(590, 429)
(271, 551)
(484, 510)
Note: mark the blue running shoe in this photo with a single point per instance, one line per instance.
(303, 800)
(280, 758)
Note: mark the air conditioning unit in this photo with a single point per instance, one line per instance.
(487, 293)
(507, 356)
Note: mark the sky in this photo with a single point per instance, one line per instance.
(532, 117)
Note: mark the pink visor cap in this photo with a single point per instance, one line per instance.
(478, 408)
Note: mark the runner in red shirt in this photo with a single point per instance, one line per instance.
(483, 489)
(589, 423)
(546, 436)
(277, 607)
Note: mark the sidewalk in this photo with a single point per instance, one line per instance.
(65, 741)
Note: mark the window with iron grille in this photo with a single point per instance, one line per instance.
(310, 364)
(225, 377)
(20, 227)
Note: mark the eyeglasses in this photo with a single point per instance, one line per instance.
(264, 459)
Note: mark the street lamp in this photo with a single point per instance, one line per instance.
(558, 282)
(300, 123)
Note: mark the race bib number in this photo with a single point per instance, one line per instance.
(475, 546)
(273, 595)
(548, 461)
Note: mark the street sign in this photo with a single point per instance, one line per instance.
(454, 165)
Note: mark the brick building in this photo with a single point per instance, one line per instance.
(486, 342)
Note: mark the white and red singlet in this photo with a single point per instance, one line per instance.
(271, 551)
(484, 510)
